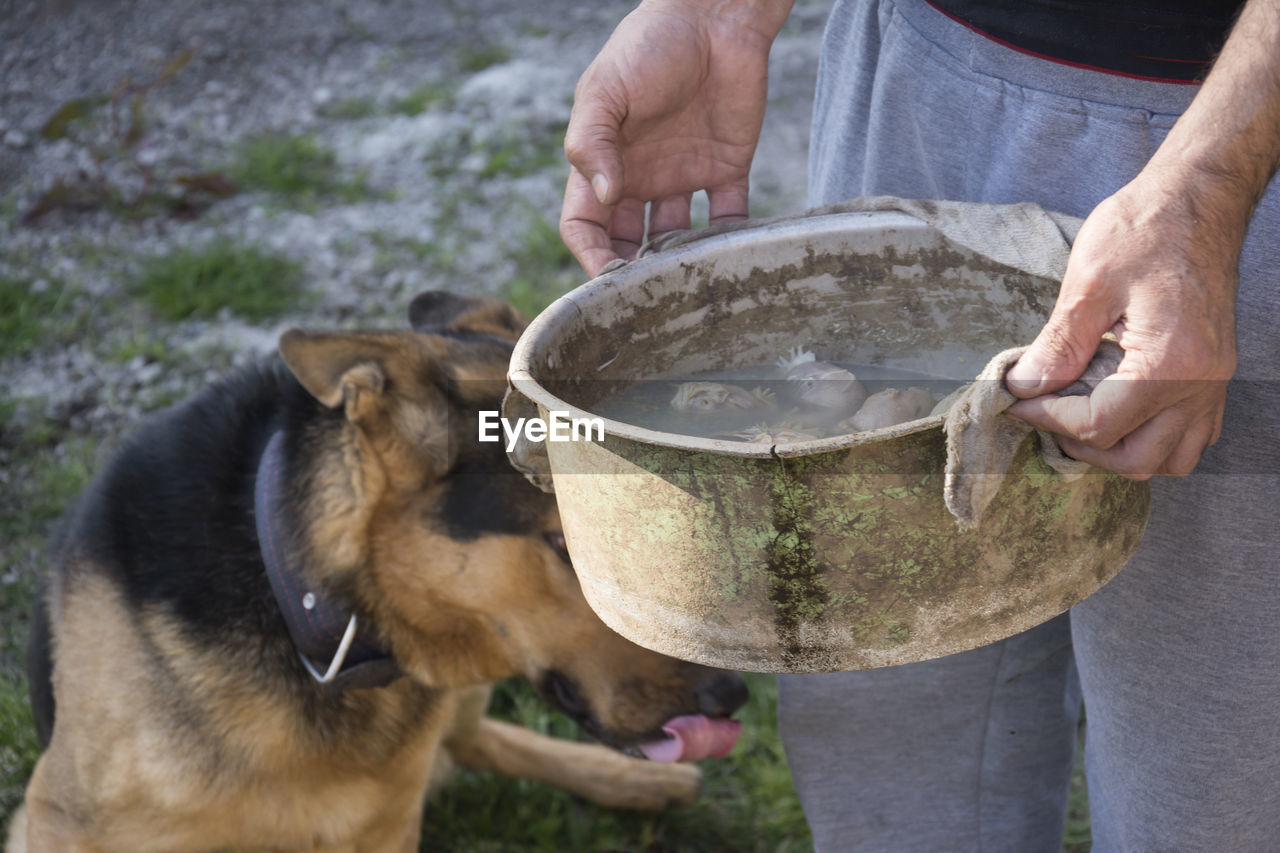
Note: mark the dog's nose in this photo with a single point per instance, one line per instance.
(725, 693)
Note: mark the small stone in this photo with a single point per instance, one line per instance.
(15, 138)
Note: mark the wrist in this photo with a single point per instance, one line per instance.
(1213, 197)
(763, 17)
(1226, 146)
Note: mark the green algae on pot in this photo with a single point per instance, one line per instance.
(822, 555)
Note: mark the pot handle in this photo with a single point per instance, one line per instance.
(684, 237)
(527, 457)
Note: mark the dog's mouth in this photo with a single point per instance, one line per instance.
(689, 737)
(693, 737)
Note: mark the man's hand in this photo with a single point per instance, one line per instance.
(1149, 268)
(673, 104)
(1156, 265)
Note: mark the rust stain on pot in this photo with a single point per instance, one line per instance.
(796, 586)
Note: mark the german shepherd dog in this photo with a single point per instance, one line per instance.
(198, 708)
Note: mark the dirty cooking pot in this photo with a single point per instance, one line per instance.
(827, 554)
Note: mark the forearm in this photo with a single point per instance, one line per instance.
(1226, 146)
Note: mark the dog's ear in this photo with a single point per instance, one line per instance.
(438, 312)
(388, 384)
(337, 368)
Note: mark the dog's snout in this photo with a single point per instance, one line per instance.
(723, 695)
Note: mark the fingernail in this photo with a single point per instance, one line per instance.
(600, 184)
(1025, 377)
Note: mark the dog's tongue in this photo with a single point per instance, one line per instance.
(694, 737)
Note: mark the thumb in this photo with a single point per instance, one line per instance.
(591, 145)
(1059, 354)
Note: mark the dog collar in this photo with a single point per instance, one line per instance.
(320, 629)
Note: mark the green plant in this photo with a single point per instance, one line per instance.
(422, 99)
(349, 108)
(523, 152)
(18, 747)
(26, 313)
(138, 344)
(297, 167)
(46, 471)
(197, 283)
(545, 268)
(1077, 837)
(479, 57)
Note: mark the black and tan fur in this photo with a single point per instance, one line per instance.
(184, 719)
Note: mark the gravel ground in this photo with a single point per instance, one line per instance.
(435, 211)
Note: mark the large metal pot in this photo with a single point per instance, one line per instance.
(824, 555)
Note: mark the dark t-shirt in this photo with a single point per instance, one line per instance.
(1174, 40)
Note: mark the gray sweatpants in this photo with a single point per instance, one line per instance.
(1178, 658)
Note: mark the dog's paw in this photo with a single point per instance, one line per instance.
(650, 786)
(17, 842)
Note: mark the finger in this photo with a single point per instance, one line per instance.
(1145, 452)
(591, 145)
(585, 225)
(727, 203)
(1117, 406)
(669, 214)
(1186, 455)
(1066, 344)
(627, 229)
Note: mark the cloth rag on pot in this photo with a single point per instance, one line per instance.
(982, 440)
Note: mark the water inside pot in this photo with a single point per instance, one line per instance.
(761, 403)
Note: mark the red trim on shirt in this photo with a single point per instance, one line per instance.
(1032, 53)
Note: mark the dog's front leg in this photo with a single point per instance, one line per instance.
(595, 772)
(39, 826)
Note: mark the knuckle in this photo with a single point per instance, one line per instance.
(575, 145)
(1180, 467)
(1135, 468)
(1061, 346)
(1097, 436)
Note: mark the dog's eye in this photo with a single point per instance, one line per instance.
(556, 540)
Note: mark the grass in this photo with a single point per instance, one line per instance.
(45, 469)
(349, 108)
(479, 57)
(748, 802)
(545, 269)
(18, 747)
(33, 316)
(198, 283)
(422, 99)
(1077, 837)
(414, 103)
(296, 167)
(516, 153)
(137, 344)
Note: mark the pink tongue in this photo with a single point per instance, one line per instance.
(694, 737)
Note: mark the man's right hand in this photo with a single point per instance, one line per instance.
(673, 104)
